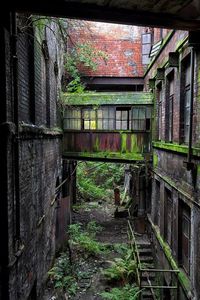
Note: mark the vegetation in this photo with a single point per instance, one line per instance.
(127, 292)
(84, 240)
(96, 181)
(122, 269)
(61, 275)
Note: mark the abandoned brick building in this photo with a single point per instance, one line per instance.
(35, 210)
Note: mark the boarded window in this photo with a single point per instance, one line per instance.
(122, 118)
(72, 119)
(146, 47)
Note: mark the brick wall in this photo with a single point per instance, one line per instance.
(40, 166)
(122, 44)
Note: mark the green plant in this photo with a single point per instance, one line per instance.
(122, 269)
(84, 240)
(127, 292)
(60, 275)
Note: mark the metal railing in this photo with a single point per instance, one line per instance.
(140, 270)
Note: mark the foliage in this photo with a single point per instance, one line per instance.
(95, 181)
(127, 292)
(61, 275)
(85, 55)
(84, 240)
(122, 269)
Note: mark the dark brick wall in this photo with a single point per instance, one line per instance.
(168, 164)
(29, 254)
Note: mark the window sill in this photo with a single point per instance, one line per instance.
(182, 149)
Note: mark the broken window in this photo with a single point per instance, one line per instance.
(146, 47)
(106, 118)
(72, 119)
(89, 119)
(122, 118)
(141, 117)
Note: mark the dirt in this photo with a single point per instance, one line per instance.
(114, 231)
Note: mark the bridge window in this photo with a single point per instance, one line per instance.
(89, 119)
(122, 118)
(72, 119)
(106, 118)
(141, 118)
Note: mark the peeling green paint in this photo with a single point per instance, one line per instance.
(183, 279)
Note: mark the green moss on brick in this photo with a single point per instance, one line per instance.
(183, 279)
(134, 146)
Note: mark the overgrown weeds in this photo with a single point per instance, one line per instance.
(84, 240)
(127, 292)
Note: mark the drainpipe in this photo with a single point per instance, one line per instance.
(16, 140)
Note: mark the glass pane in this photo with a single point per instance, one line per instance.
(86, 114)
(118, 125)
(105, 112)
(93, 124)
(86, 124)
(100, 124)
(135, 113)
(148, 112)
(92, 114)
(141, 113)
(146, 48)
(146, 38)
(124, 115)
(111, 124)
(124, 125)
(135, 125)
(99, 113)
(118, 115)
(145, 59)
(187, 98)
(105, 123)
(111, 113)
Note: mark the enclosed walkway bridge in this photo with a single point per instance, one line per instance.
(107, 126)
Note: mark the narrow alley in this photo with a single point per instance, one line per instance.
(100, 150)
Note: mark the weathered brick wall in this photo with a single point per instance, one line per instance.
(168, 162)
(121, 43)
(40, 166)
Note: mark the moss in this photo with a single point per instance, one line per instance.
(180, 43)
(106, 155)
(176, 148)
(116, 98)
(183, 279)
(155, 160)
(134, 146)
(123, 142)
(96, 144)
(198, 169)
